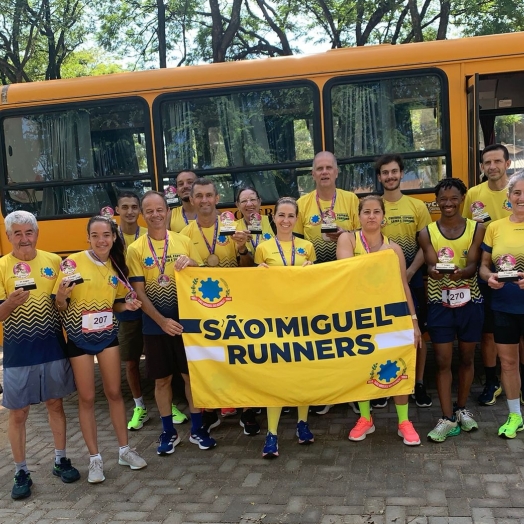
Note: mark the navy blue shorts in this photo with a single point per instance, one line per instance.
(464, 323)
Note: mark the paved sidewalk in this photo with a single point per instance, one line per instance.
(473, 477)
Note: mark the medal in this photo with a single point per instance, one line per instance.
(163, 280)
(212, 260)
(131, 297)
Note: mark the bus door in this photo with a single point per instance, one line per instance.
(473, 130)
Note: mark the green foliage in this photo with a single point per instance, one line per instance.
(89, 62)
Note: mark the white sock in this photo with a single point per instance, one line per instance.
(94, 457)
(123, 449)
(139, 402)
(59, 453)
(514, 406)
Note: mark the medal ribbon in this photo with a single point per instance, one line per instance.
(185, 217)
(333, 200)
(257, 237)
(211, 249)
(137, 234)
(365, 243)
(161, 265)
(125, 282)
(281, 251)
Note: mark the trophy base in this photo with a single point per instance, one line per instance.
(507, 276)
(26, 286)
(255, 231)
(445, 269)
(227, 232)
(328, 229)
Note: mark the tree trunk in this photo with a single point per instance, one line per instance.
(161, 32)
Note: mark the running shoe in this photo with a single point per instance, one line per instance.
(408, 433)
(362, 428)
(96, 471)
(249, 423)
(356, 409)
(320, 410)
(489, 394)
(270, 446)
(465, 419)
(210, 420)
(379, 403)
(66, 471)
(228, 412)
(202, 438)
(421, 397)
(445, 428)
(178, 416)
(287, 409)
(22, 486)
(132, 459)
(167, 442)
(512, 426)
(138, 419)
(304, 434)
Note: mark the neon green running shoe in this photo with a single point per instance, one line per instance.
(512, 426)
(445, 428)
(140, 416)
(178, 416)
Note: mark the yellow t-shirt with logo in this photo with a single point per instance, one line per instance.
(225, 248)
(269, 253)
(404, 219)
(504, 240)
(32, 332)
(457, 251)
(360, 249)
(178, 219)
(482, 199)
(143, 268)
(97, 294)
(267, 233)
(309, 220)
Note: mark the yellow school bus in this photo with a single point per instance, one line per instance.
(69, 146)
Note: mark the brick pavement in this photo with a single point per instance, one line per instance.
(472, 478)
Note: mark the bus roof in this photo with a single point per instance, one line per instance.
(346, 60)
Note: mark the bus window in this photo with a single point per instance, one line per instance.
(387, 114)
(73, 161)
(254, 136)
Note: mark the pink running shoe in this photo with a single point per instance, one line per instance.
(362, 428)
(228, 412)
(408, 433)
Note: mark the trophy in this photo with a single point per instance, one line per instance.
(227, 223)
(172, 198)
(478, 212)
(68, 267)
(107, 212)
(506, 268)
(445, 261)
(22, 270)
(255, 224)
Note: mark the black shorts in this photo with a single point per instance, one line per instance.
(488, 326)
(418, 294)
(509, 327)
(72, 350)
(165, 355)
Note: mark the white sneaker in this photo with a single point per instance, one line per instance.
(132, 459)
(96, 471)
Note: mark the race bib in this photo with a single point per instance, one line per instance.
(93, 321)
(456, 297)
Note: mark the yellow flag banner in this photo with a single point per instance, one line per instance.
(292, 336)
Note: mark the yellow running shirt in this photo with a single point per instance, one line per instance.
(129, 239)
(32, 332)
(453, 252)
(504, 240)
(143, 268)
(360, 249)
(89, 321)
(404, 219)
(267, 233)
(309, 220)
(269, 253)
(225, 248)
(483, 202)
(179, 220)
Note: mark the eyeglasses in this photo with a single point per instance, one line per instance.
(249, 201)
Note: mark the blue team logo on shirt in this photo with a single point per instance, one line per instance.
(149, 262)
(48, 272)
(266, 236)
(222, 240)
(300, 251)
(506, 205)
(112, 281)
(315, 220)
